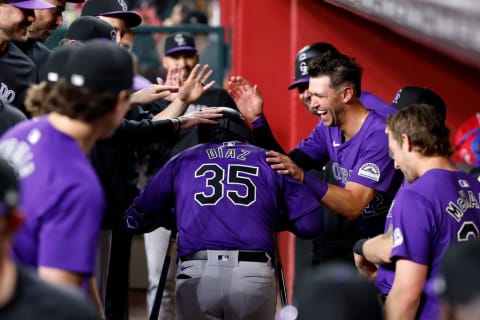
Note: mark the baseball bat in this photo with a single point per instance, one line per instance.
(280, 276)
(163, 276)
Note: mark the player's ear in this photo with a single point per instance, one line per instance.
(347, 94)
(406, 142)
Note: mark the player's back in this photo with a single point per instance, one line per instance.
(446, 214)
(228, 197)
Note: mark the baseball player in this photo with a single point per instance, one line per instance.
(349, 135)
(61, 194)
(377, 251)
(226, 216)
(18, 71)
(180, 57)
(24, 295)
(46, 21)
(423, 220)
(340, 233)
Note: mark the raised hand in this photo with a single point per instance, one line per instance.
(248, 99)
(284, 165)
(175, 78)
(152, 93)
(204, 116)
(196, 84)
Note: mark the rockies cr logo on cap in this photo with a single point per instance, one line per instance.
(180, 40)
(123, 5)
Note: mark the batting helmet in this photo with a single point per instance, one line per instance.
(231, 126)
(306, 54)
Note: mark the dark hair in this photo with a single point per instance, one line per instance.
(80, 103)
(339, 67)
(424, 126)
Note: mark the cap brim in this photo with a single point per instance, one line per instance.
(132, 19)
(298, 82)
(32, 4)
(178, 49)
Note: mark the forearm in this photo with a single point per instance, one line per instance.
(401, 305)
(175, 109)
(377, 250)
(337, 199)
(263, 135)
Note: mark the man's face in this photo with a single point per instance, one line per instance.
(324, 101)
(15, 21)
(184, 60)
(305, 96)
(46, 21)
(118, 25)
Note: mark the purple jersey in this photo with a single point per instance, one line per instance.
(372, 102)
(226, 197)
(363, 159)
(61, 197)
(426, 219)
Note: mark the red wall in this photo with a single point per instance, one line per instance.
(267, 34)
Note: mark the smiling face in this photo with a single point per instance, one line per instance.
(325, 101)
(46, 21)
(14, 22)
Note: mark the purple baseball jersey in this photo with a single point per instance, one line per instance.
(226, 197)
(373, 102)
(61, 197)
(363, 159)
(427, 218)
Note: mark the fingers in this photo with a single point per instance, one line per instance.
(160, 81)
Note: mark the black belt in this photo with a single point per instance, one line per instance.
(252, 256)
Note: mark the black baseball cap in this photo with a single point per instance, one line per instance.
(304, 56)
(335, 291)
(112, 8)
(100, 65)
(459, 282)
(179, 41)
(29, 4)
(57, 62)
(86, 28)
(195, 17)
(9, 189)
(416, 95)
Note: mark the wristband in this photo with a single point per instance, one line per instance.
(358, 246)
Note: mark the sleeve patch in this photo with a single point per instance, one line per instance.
(370, 171)
(397, 237)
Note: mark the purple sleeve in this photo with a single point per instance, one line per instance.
(303, 208)
(157, 198)
(68, 238)
(374, 167)
(315, 145)
(412, 222)
(373, 102)
(316, 185)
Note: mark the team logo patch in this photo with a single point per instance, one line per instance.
(370, 171)
(180, 40)
(397, 237)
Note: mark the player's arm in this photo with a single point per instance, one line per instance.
(378, 249)
(404, 297)
(62, 277)
(348, 201)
